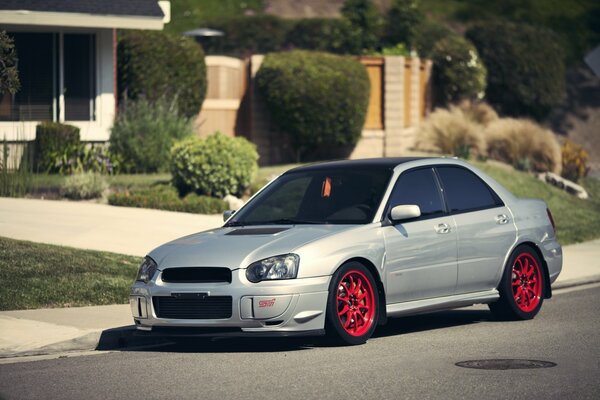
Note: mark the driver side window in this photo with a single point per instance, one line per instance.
(418, 187)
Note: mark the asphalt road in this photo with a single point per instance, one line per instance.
(411, 357)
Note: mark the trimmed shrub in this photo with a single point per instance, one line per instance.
(526, 71)
(54, 141)
(458, 73)
(524, 144)
(156, 65)
(85, 185)
(324, 34)
(451, 132)
(366, 22)
(143, 134)
(319, 99)
(401, 22)
(574, 161)
(216, 166)
(165, 197)
(250, 35)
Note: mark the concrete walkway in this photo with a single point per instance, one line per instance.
(135, 231)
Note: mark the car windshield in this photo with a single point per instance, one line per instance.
(345, 196)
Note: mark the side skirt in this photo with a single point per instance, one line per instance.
(441, 303)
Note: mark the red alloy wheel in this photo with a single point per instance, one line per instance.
(526, 282)
(355, 303)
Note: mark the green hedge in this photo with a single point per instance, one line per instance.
(54, 141)
(156, 64)
(144, 132)
(256, 34)
(319, 99)
(526, 71)
(216, 166)
(458, 72)
(165, 197)
(335, 35)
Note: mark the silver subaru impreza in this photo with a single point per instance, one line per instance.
(339, 247)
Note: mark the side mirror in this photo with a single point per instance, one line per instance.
(404, 212)
(227, 214)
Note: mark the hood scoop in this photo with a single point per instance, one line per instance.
(256, 231)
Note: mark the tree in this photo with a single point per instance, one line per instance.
(366, 21)
(9, 75)
(401, 23)
(458, 73)
(525, 64)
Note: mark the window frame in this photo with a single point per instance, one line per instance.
(497, 199)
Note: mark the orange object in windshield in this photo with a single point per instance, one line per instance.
(326, 188)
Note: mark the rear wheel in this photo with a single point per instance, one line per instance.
(352, 306)
(522, 286)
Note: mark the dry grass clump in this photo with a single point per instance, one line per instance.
(524, 144)
(478, 111)
(451, 132)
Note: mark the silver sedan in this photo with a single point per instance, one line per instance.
(339, 247)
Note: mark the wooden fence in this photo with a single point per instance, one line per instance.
(399, 100)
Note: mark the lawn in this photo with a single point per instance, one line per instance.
(38, 275)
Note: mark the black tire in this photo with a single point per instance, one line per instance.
(522, 286)
(354, 321)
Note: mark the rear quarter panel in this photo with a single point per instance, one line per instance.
(534, 226)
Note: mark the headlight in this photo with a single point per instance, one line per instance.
(274, 268)
(147, 270)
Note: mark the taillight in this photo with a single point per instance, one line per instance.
(551, 219)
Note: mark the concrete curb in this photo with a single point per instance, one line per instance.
(121, 338)
(576, 282)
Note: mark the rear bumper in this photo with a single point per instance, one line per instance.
(285, 307)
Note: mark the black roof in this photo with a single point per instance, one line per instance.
(142, 8)
(368, 163)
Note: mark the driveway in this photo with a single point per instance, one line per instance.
(133, 231)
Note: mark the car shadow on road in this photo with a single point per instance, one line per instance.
(122, 339)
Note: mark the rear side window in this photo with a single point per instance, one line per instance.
(465, 191)
(418, 187)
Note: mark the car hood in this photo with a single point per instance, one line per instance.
(238, 247)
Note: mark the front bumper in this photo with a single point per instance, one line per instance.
(286, 307)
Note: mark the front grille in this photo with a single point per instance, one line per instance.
(209, 307)
(196, 275)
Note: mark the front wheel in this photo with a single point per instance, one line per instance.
(522, 286)
(352, 305)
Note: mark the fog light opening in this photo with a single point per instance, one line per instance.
(271, 323)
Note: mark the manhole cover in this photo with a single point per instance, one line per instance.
(505, 364)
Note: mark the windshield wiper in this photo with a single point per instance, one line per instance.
(234, 223)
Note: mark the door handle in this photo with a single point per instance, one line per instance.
(442, 228)
(501, 219)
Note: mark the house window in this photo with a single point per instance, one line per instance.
(79, 88)
(42, 61)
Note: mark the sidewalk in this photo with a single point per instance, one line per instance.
(133, 231)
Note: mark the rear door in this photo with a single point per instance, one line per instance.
(420, 253)
(486, 231)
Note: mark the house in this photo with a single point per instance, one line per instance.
(67, 61)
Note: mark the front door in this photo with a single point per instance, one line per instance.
(421, 254)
